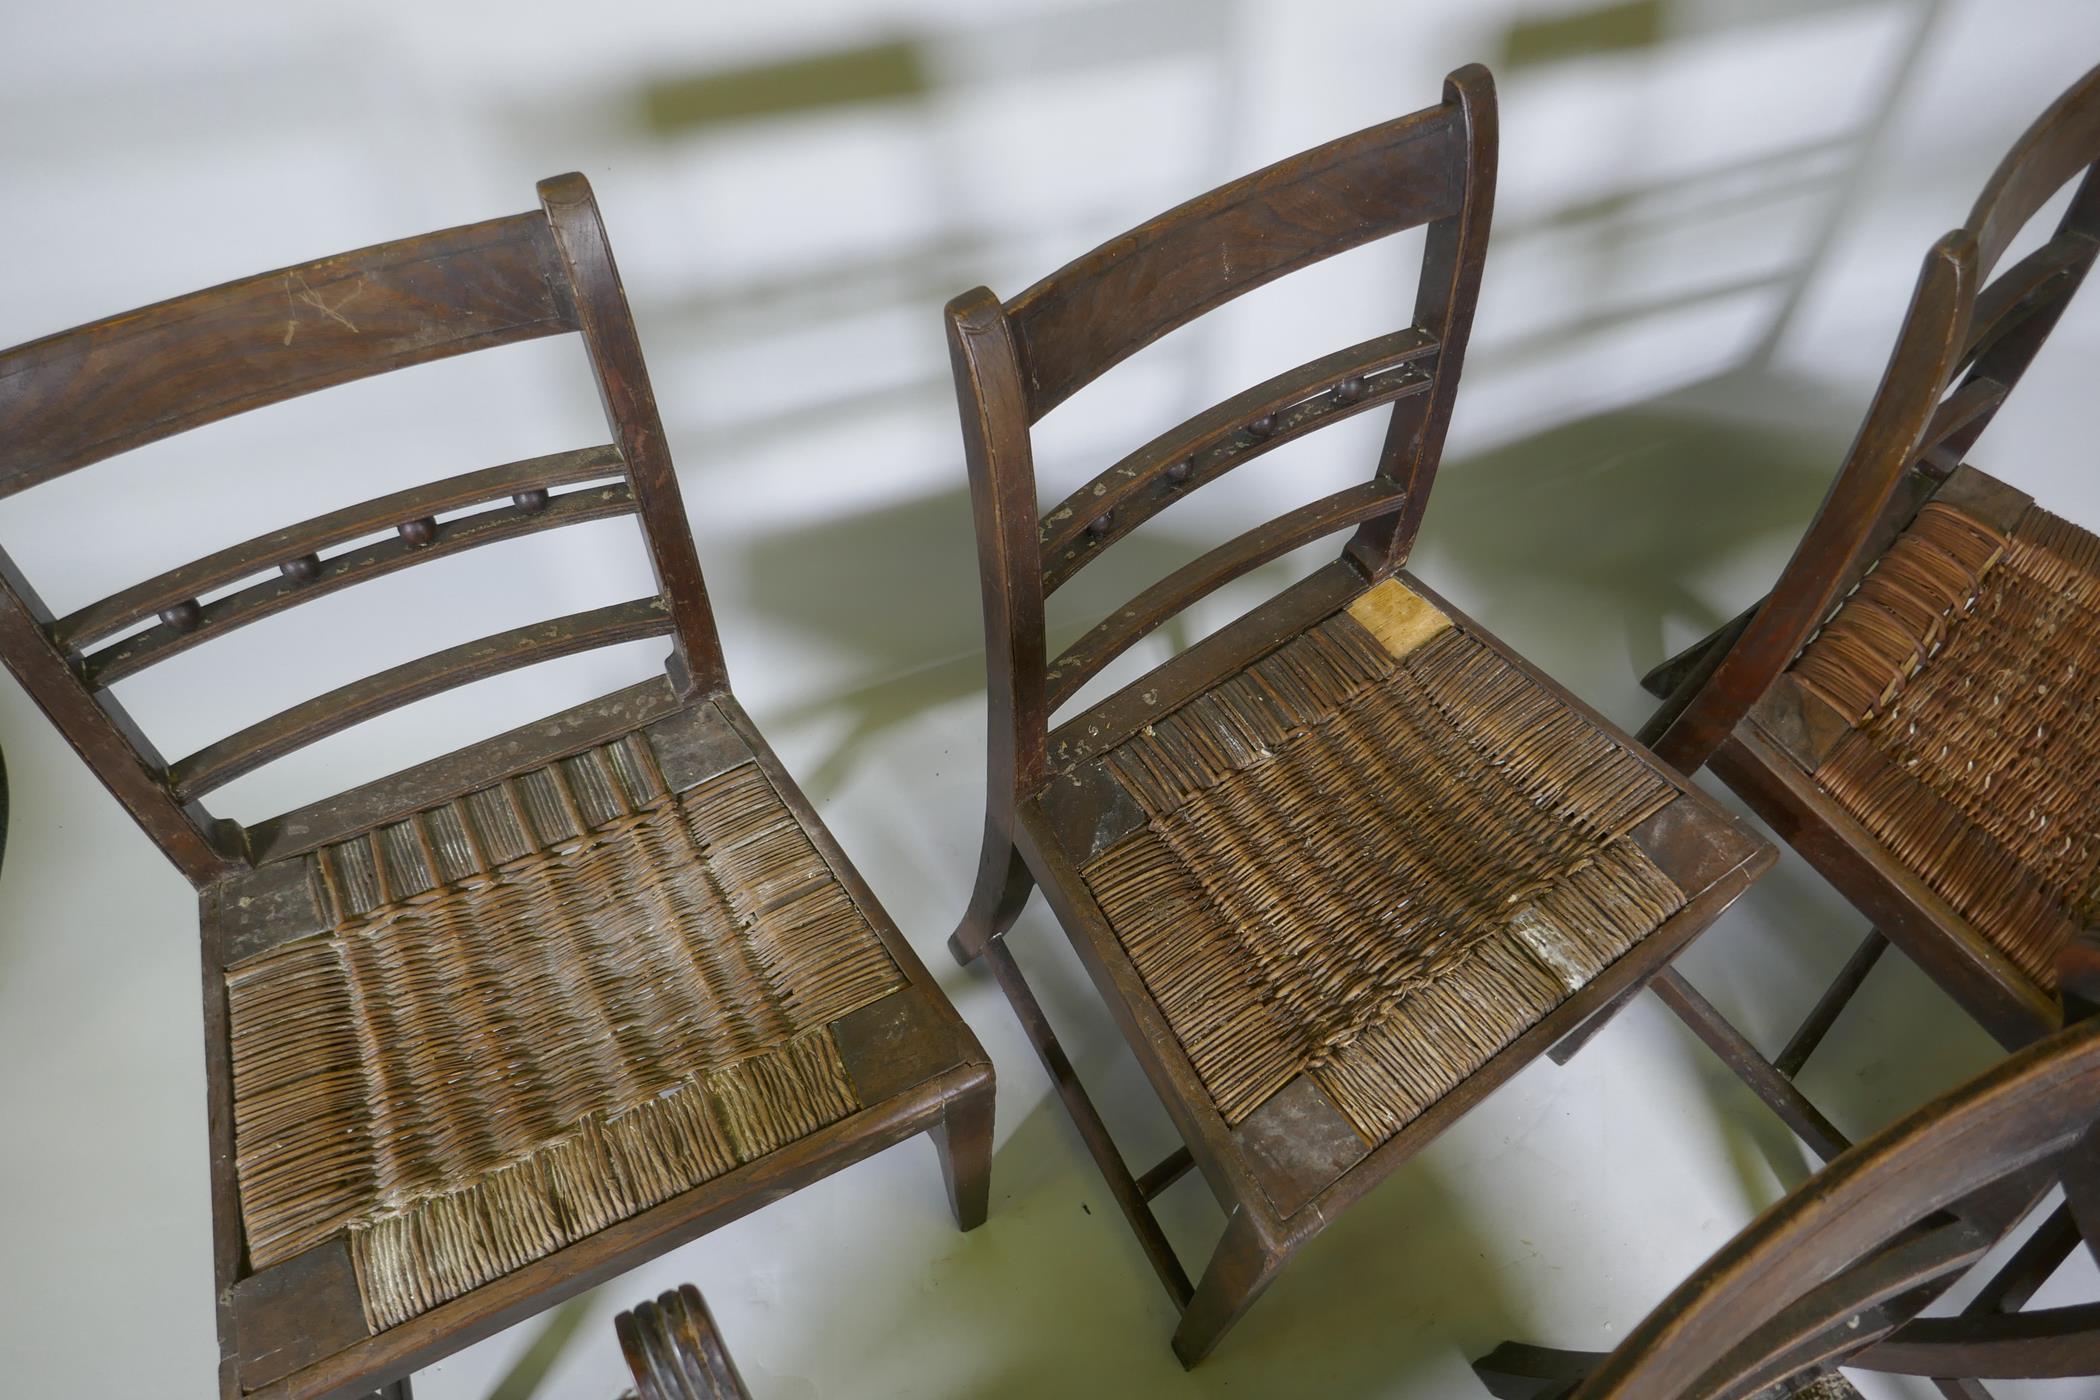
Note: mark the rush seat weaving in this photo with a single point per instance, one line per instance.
(1966, 668)
(537, 1010)
(1376, 856)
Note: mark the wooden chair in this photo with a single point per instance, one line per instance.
(486, 1032)
(1346, 865)
(1841, 1270)
(674, 1351)
(1927, 745)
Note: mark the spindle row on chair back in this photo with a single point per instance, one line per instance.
(1015, 362)
(1939, 790)
(73, 399)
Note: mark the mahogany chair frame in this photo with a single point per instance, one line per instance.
(1970, 333)
(295, 1329)
(1840, 1271)
(1013, 363)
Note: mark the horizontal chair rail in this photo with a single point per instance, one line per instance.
(1129, 624)
(394, 797)
(1971, 404)
(218, 764)
(386, 556)
(1224, 436)
(2042, 278)
(2053, 1342)
(113, 614)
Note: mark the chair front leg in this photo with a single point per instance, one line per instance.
(963, 1138)
(1003, 886)
(1243, 1266)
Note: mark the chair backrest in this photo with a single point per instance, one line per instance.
(1016, 361)
(1840, 1269)
(75, 398)
(1965, 342)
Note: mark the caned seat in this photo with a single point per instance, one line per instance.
(1347, 864)
(1373, 858)
(485, 1032)
(1912, 704)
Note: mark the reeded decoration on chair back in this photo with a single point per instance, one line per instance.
(73, 399)
(1965, 342)
(1839, 1271)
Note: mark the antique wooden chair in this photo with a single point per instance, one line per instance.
(1346, 865)
(486, 1032)
(1842, 1270)
(674, 1351)
(1928, 745)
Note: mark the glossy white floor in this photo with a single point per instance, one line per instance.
(1710, 214)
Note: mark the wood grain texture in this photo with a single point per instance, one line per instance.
(82, 395)
(1104, 306)
(217, 764)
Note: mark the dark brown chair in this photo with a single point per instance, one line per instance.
(1346, 865)
(1911, 707)
(1841, 1270)
(488, 1031)
(674, 1351)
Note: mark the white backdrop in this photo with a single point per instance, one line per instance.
(1709, 218)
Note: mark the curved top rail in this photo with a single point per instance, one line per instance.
(81, 395)
(1113, 301)
(2063, 141)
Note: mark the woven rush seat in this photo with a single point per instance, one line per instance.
(1965, 671)
(535, 1011)
(1374, 856)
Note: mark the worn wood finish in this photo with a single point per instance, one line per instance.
(104, 735)
(1453, 257)
(1222, 438)
(1968, 337)
(243, 752)
(630, 406)
(1296, 1162)
(1096, 311)
(302, 1326)
(90, 393)
(1135, 620)
(1839, 1271)
(675, 1352)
